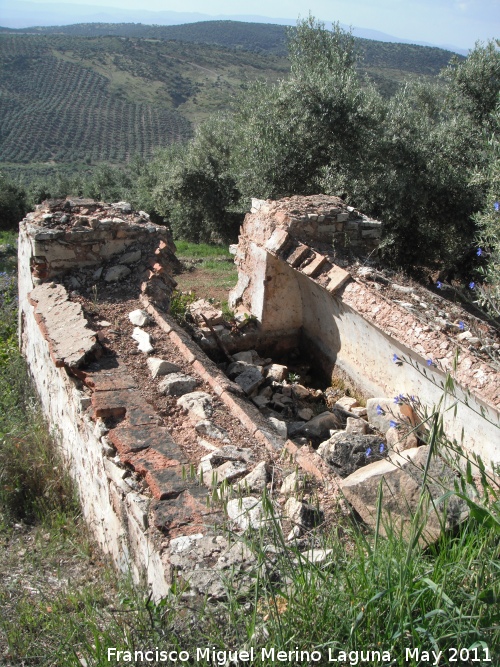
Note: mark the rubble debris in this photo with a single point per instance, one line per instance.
(203, 311)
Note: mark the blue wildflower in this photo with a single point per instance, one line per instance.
(381, 449)
(496, 206)
(479, 252)
(395, 358)
(472, 285)
(368, 452)
(393, 424)
(379, 410)
(439, 284)
(461, 325)
(429, 362)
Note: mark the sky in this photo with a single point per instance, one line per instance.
(454, 22)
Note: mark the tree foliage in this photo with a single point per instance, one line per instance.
(407, 161)
(13, 205)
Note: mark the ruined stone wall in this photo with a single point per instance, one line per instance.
(293, 276)
(77, 233)
(135, 482)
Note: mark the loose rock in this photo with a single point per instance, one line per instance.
(225, 472)
(177, 384)
(347, 402)
(318, 428)
(159, 367)
(277, 372)
(198, 404)
(138, 318)
(346, 452)
(402, 488)
(246, 512)
(303, 514)
(382, 411)
(292, 484)
(144, 340)
(250, 379)
(255, 481)
(211, 430)
(357, 426)
(116, 273)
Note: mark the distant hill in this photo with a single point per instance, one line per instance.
(257, 37)
(73, 95)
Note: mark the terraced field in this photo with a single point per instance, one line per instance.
(54, 109)
(72, 101)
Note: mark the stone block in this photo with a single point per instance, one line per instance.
(315, 266)
(401, 490)
(371, 233)
(278, 241)
(300, 253)
(250, 379)
(169, 482)
(131, 257)
(337, 278)
(63, 325)
(203, 310)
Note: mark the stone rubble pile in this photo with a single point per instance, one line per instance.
(435, 313)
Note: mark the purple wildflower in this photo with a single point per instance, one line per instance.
(439, 284)
(479, 252)
(381, 449)
(496, 206)
(393, 424)
(429, 362)
(461, 325)
(368, 452)
(379, 410)
(472, 285)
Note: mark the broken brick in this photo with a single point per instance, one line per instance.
(169, 482)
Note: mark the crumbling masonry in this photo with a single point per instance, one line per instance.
(150, 431)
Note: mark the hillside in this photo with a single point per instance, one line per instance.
(73, 95)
